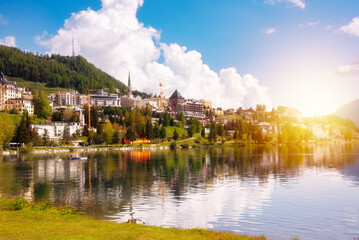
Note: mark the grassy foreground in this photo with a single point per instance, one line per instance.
(20, 219)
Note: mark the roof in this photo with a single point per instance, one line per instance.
(176, 94)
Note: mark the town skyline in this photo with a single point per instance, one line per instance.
(306, 62)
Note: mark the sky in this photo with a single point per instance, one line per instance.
(237, 53)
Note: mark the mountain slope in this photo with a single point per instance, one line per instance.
(350, 110)
(56, 71)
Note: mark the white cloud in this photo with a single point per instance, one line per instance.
(3, 20)
(296, 3)
(352, 28)
(349, 69)
(313, 23)
(270, 30)
(9, 41)
(114, 40)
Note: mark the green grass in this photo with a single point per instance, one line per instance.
(39, 221)
(15, 118)
(170, 131)
(34, 86)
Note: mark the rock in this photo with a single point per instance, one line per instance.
(136, 221)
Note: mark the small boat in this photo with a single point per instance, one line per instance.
(69, 159)
(73, 157)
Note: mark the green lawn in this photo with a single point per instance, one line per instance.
(15, 118)
(35, 86)
(170, 131)
(47, 223)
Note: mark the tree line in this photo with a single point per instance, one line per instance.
(56, 70)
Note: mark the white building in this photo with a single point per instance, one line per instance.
(56, 130)
(9, 90)
(20, 104)
(102, 98)
(72, 98)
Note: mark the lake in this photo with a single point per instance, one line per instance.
(305, 191)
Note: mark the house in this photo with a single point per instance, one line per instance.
(20, 104)
(56, 130)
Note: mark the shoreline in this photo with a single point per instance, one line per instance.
(21, 219)
(166, 145)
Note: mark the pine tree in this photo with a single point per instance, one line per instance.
(163, 133)
(203, 132)
(181, 119)
(149, 129)
(175, 135)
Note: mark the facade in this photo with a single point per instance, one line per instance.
(56, 130)
(191, 108)
(72, 98)
(229, 111)
(175, 99)
(20, 104)
(9, 90)
(290, 113)
(206, 104)
(102, 98)
(132, 102)
(266, 127)
(218, 112)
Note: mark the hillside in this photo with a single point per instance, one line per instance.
(350, 110)
(55, 71)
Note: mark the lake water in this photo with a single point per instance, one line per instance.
(310, 192)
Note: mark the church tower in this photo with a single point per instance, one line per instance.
(129, 87)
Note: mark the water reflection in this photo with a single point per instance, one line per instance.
(281, 191)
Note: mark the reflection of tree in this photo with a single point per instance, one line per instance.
(119, 177)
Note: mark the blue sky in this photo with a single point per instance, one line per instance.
(293, 50)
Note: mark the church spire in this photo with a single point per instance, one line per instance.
(129, 87)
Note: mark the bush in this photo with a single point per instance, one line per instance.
(27, 148)
(185, 145)
(173, 145)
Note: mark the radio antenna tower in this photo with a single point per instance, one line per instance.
(73, 47)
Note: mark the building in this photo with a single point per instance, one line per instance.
(229, 111)
(206, 104)
(20, 104)
(129, 87)
(78, 111)
(9, 90)
(56, 130)
(132, 102)
(218, 112)
(289, 113)
(175, 99)
(72, 98)
(102, 98)
(190, 107)
(266, 127)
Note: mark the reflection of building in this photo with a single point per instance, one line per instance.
(20, 104)
(102, 98)
(138, 156)
(56, 130)
(72, 98)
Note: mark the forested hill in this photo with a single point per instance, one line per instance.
(56, 71)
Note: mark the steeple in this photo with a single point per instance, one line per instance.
(129, 87)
